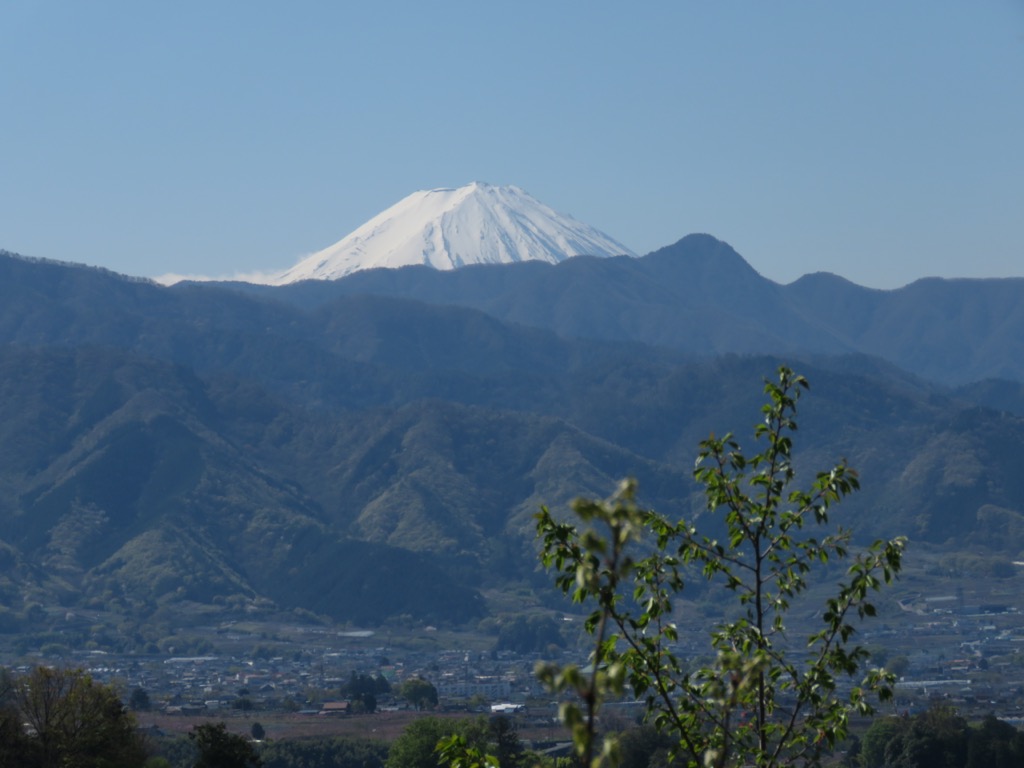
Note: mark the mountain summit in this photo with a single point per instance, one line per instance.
(450, 228)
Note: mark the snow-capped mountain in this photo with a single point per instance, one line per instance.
(449, 228)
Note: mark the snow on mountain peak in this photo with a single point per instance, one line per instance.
(450, 228)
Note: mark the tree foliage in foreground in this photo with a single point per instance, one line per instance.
(53, 718)
(218, 748)
(416, 747)
(765, 698)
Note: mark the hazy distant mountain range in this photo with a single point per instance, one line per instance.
(363, 442)
(371, 446)
(702, 298)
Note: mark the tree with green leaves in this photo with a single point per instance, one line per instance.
(12, 735)
(362, 691)
(419, 692)
(218, 748)
(417, 747)
(62, 717)
(876, 739)
(504, 736)
(765, 698)
(139, 700)
(995, 744)
(243, 703)
(938, 737)
(324, 752)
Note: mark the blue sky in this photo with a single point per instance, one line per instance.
(880, 141)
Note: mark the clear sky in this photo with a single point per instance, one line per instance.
(882, 141)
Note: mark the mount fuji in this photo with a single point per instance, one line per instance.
(450, 228)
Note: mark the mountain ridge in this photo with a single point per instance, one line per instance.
(368, 456)
(697, 296)
(700, 297)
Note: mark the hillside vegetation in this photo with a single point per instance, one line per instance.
(328, 450)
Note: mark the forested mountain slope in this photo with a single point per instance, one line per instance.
(367, 456)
